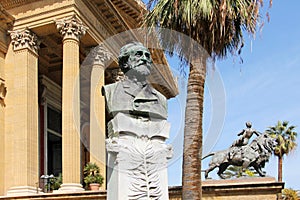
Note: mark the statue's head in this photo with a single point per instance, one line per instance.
(248, 124)
(135, 60)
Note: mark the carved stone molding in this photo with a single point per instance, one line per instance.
(71, 28)
(24, 39)
(9, 4)
(99, 55)
(3, 92)
(6, 19)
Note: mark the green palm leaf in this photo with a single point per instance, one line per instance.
(286, 141)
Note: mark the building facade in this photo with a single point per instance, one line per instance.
(52, 114)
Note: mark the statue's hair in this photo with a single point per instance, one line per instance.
(248, 124)
(125, 53)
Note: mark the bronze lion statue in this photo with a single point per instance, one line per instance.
(255, 154)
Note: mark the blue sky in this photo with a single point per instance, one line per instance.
(263, 89)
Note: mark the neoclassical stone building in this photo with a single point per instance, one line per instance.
(51, 119)
(52, 114)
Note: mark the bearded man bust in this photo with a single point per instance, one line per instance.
(137, 153)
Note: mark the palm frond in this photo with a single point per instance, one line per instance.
(216, 25)
(285, 138)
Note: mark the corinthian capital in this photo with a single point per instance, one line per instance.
(100, 55)
(22, 39)
(71, 28)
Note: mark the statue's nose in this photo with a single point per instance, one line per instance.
(144, 57)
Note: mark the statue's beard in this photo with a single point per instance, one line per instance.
(139, 71)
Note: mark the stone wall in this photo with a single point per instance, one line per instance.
(237, 189)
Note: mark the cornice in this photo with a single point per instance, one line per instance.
(136, 5)
(115, 12)
(5, 17)
(98, 27)
(9, 4)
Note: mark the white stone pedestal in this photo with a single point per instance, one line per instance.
(137, 167)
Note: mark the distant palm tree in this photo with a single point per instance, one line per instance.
(286, 141)
(218, 27)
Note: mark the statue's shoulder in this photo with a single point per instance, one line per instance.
(159, 95)
(107, 90)
(162, 106)
(110, 92)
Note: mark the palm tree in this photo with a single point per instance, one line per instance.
(286, 141)
(218, 27)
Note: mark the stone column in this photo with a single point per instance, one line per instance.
(100, 56)
(2, 130)
(71, 29)
(25, 111)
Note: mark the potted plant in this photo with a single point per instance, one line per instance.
(92, 176)
(52, 183)
(56, 183)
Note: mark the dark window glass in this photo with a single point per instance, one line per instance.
(54, 120)
(54, 154)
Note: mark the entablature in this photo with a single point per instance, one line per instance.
(103, 18)
(6, 22)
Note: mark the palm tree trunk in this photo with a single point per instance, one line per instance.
(192, 150)
(280, 168)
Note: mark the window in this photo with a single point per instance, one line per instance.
(50, 127)
(54, 141)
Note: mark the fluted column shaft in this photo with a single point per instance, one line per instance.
(2, 130)
(25, 125)
(97, 110)
(70, 112)
(71, 29)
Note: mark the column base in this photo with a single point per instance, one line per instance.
(70, 187)
(23, 191)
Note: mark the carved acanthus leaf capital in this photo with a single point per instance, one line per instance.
(100, 55)
(22, 39)
(71, 28)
